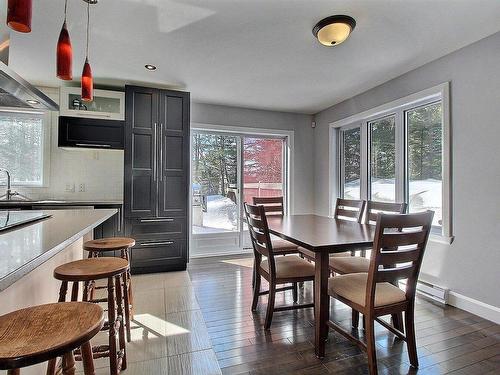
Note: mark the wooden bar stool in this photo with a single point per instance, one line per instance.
(40, 333)
(96, 248)
(114, 270)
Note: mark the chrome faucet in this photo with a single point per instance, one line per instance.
(8, 194)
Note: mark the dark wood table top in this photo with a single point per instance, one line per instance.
(321, 233)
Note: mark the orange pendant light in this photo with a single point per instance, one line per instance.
(87, 79)
(19, 15)
(64, 54)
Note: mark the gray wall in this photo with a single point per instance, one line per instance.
(303, 164)
(471, 265)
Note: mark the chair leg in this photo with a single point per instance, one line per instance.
(270, 305)
(256, 290)
(87, 359)
(410, 336)
(121, 330)
(126, 302)
(295, 293)
(370, 345)
(355, 318)
(397, 321)
(69, 364)
(254, 276)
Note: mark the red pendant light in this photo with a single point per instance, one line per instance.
(64, 54)
(19, 15)
(87, 80)
(87, 83)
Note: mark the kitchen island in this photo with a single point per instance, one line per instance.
(29, 254)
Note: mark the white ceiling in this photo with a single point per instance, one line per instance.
(251, 53)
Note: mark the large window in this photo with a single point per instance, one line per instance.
(22, 147)
(383, 159)
(424, 130)
(399, 152)
(351, 166)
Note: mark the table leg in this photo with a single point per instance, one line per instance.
(322, 309)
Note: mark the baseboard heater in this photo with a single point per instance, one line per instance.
(433, 292)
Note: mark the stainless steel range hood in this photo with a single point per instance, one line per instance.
(15, 91)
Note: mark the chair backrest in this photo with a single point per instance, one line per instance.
(373, 208)
(349, 209)
(398, 250)
(258, 229)
(273, 206)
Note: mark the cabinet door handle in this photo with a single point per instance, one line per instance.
(154, 151)
(158, 220)
(161, 151)
(159, 243)
(92, 145)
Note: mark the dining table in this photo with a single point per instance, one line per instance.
(317, 237)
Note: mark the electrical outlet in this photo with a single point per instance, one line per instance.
(70, 187)
(81, 188)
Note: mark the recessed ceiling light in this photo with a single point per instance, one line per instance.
(150, 67)
(31, 101)
(333, 30)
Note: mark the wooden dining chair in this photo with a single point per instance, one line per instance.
(350, 210)
(354, 264)
(398, 250)
(276, 270)
(273, 206)
(348, 264)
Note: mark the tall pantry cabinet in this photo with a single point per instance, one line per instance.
(156, 184)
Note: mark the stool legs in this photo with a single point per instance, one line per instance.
(126, 300)
(88, 359)
(68, 364)
(113, 360)
(121, 319)
(14, 371)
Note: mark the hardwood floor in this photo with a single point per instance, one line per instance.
(199, 323)
(450, 341)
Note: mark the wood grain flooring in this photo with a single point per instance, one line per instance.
(199, 323)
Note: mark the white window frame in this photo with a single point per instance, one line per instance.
(46, 131)
(397, 107)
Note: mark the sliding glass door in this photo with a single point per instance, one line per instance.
(226, 171)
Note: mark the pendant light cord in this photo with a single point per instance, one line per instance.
(65, 9)
(88, 22)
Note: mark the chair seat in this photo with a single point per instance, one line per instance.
(349, 264)
(109, 244)
(283, 246)
(352, 287)
(39, 333)
(290, 266)
(91, 269)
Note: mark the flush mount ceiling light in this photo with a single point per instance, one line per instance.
(333, 30)
(31, 101)
(150, 67)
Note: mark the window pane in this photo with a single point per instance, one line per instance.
(21, 147)
(351, 163)
(214, 184)
(383, 159)
(425, 142)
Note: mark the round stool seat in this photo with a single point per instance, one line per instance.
(37, 334)
(109, 244)
(91, 269)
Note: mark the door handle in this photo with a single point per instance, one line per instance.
(161, 151)
(159, 243)
(158, 220)
(155, 137)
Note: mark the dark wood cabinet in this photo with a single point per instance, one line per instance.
(157, 177)
(90, 133)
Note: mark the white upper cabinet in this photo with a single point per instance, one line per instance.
(106, 104)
